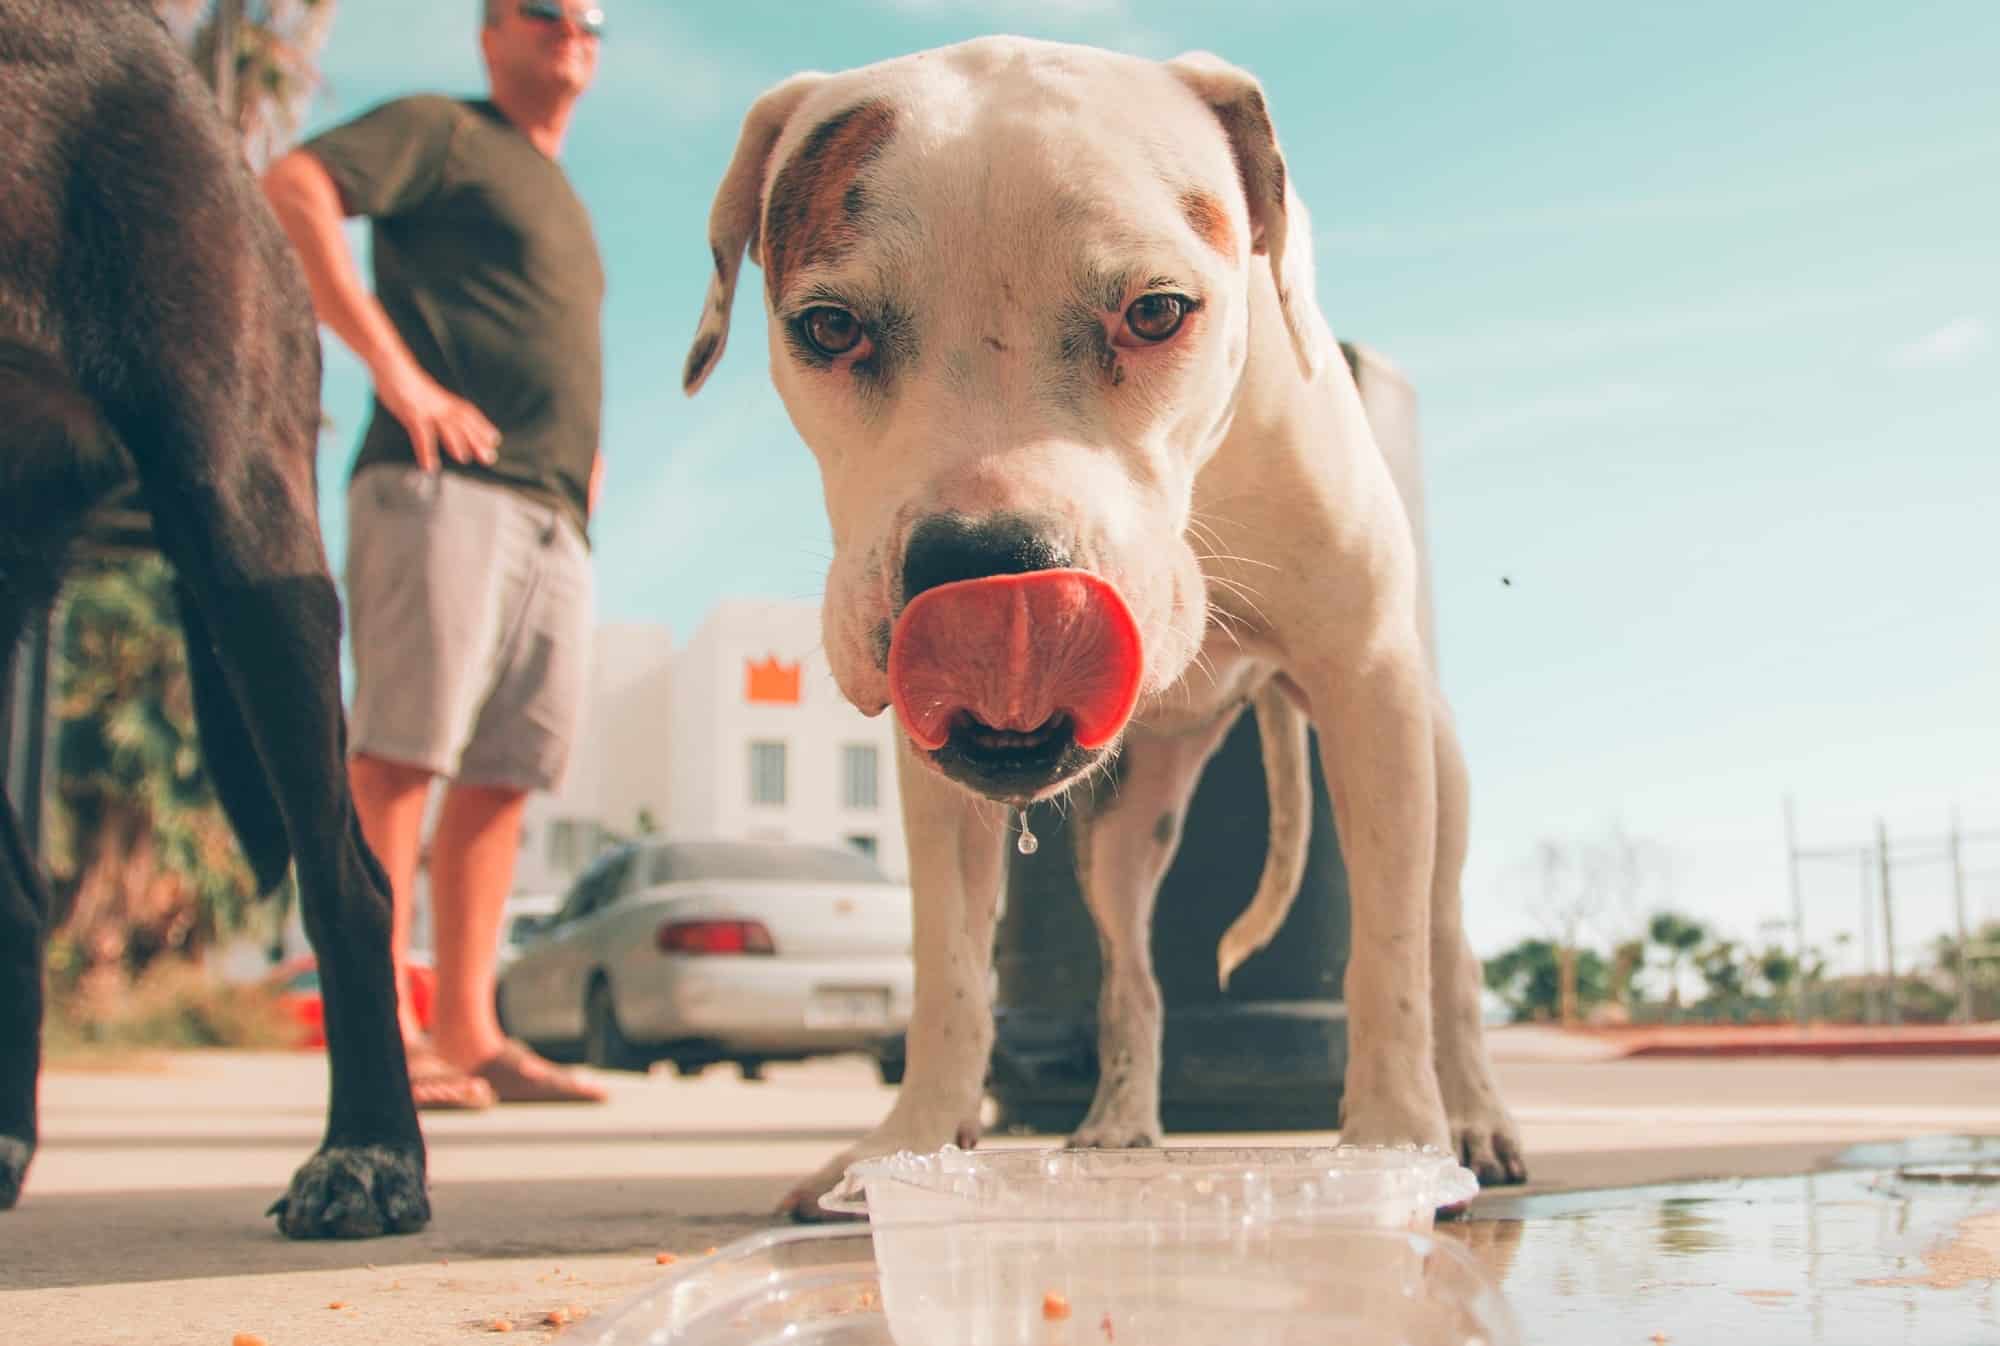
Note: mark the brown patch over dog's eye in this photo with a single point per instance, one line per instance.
(1210, 220)
(1155, 317)
(833, 332)
(818, 206)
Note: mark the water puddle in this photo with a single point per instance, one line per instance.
(1899, 1245)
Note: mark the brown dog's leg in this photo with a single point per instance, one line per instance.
(212, 381)
(56, 459)
(24, 909)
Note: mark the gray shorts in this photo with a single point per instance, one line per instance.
(469, 620)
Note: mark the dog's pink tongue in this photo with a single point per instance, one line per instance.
(1012, 651)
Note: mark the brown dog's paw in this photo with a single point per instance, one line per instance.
(355, 1192)
(15, 1156)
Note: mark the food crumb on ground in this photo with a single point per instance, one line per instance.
(1055, 1308)
(338, 1304)
(665, 1259)
(246, 1339)
(500, 1325)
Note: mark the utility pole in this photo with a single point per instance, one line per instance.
(1888, 921)
(1964, 935)
(1804, 1010)
(1871, 992)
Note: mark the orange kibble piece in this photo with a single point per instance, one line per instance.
(246, 1339)
(665, 1259)
(557, 1317)
(499, 1325)
(1055, 1307)
(338, 1304)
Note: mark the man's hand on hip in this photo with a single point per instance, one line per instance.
(438, 420)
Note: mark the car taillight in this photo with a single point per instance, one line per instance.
(714, 937)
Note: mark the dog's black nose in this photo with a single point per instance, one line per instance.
(946, 548)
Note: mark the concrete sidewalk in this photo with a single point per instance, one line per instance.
(143, 1221)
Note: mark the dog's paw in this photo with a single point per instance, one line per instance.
(15, 1156)
(1115, 1126)
(355, 1192)
(1378, 1117)
(1490, 1145)
(802, 1205)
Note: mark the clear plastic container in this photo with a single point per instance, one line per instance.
(1074, 1283)
(1371, 1186)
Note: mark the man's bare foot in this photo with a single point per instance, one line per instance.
(518, 1075)
(439, 1086)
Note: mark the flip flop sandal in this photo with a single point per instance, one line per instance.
(439, 1086)
(519, 1076)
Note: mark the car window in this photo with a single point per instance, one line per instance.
(677, 862)
(602, 882)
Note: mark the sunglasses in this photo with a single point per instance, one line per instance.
(591, 20)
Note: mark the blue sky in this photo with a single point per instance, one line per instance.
(1702, 303)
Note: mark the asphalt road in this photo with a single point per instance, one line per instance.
(143, 1223)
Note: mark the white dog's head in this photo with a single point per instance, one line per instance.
(1008, 289)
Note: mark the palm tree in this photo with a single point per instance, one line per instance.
(1679, 936)
(1628, 960)
(267, 88)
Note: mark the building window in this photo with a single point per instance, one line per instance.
(863, 842)
(858, 773)
(767, 773)
(574, 843)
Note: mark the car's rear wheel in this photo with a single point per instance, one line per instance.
(604, 1043)
(500, 1011)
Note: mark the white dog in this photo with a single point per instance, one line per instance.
(1098, 478)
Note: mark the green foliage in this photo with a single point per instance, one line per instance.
(141, 853)
(1528, 979)
(173, 1004)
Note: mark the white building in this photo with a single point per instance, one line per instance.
(619, 770)
(765, 746)
(741, 735)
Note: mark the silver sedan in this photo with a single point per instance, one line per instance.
(698, 952)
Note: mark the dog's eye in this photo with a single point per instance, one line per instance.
(833, 332)
(1155, 317)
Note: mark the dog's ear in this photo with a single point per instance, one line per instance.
(733, 219)
(1279, 226)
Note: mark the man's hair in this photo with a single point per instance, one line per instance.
(492, 11)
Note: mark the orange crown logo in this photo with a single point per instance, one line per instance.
(770, 682)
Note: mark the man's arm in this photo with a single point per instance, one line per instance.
(307, 203)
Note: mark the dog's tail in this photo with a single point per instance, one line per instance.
(1282, 727)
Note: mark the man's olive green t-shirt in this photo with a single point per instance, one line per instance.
(485, 261)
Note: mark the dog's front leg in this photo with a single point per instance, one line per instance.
(1380, 760)
(1488, 1141)
(957, 853)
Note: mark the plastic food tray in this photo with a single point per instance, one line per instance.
(1377, 1186)
(1074, 1283)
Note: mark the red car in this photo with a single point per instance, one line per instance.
(296, 982)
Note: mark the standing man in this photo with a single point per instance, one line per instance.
(468, 566)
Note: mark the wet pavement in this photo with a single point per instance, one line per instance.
(1898, 1245)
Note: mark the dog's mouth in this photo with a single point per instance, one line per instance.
(1015, 684)
(1013, 766)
